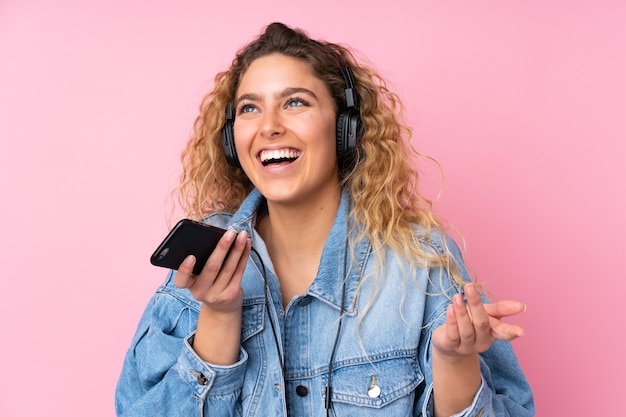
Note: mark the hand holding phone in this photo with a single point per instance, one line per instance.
(217, 285)
(187, 237)
(218, 288)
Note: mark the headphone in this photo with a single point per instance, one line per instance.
(348, 129)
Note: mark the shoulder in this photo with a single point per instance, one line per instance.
(438, 242)
(447, 275)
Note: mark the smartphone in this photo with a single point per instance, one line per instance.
(188, 237)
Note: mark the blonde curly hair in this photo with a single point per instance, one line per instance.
(383, 182)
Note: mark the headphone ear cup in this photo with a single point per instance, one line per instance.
(228, 141)
(348, 134)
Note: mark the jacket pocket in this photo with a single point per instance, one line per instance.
(362, 387)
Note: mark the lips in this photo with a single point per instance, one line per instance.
(278, 156)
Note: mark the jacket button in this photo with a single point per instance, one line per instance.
(200, 377)
(374, 390)
(305, 301)
(302, 391)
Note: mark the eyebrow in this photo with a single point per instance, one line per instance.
(283, 94)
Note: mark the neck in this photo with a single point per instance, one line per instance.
(295, 237)
(301, 228)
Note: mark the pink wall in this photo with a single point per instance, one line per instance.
(523, 103)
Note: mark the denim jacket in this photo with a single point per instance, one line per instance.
(381, 362)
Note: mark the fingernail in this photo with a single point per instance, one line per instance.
(458, 300)
(450, 310)
(470, 290)
(230, 235)
(524, 310)
(189, 260)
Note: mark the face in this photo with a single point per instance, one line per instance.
(285, 131)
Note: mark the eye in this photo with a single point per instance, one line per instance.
(296, 102)
(246, 108)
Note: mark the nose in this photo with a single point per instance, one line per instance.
(271, 124)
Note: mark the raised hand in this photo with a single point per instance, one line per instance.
(473, 327)
(219, 283)
(218, 287)
(469, 330)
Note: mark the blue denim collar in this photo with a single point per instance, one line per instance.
(327, 286)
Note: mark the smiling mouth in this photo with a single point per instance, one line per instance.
(279, 156)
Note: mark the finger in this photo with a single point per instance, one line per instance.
(464, 323)
(184, 277)
(214, 264)
(243, 261)
(505, 308)
(505, 331)
(452, 330)
(217, 257)
(225, 292)
(479, 317)
(233, 289)
(232, 268)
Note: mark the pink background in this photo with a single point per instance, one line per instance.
(522, 102)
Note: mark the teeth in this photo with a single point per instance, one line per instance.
(279, 154)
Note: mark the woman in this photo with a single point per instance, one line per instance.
(334, 291)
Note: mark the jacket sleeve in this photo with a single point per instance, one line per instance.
(504, 391)
(163, 376)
